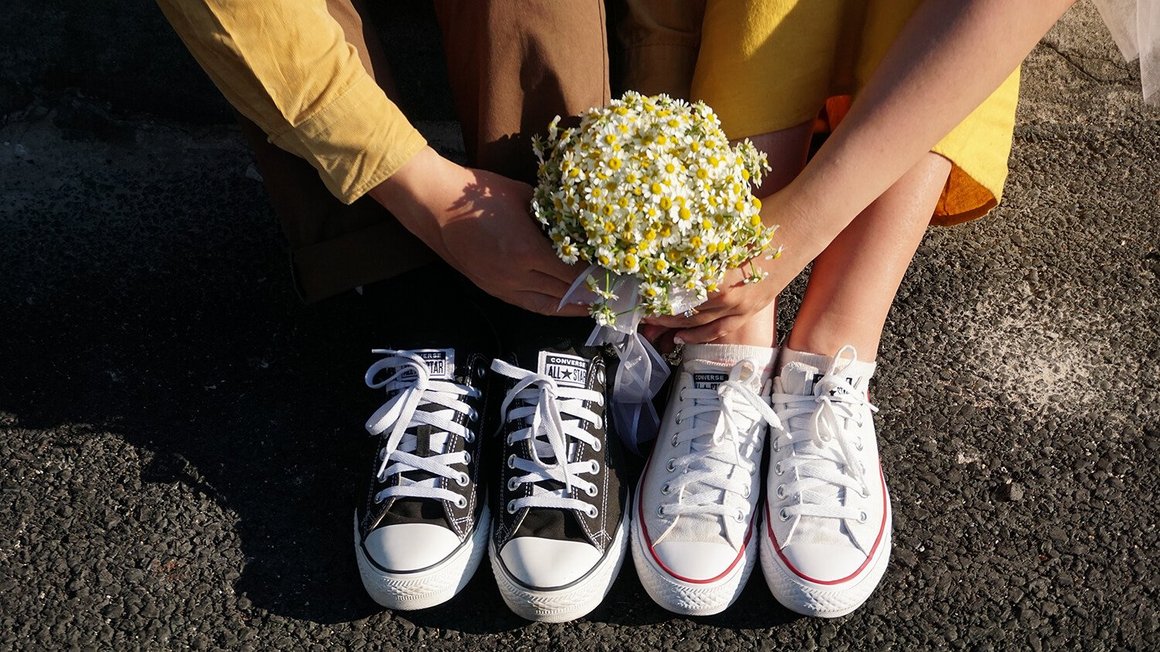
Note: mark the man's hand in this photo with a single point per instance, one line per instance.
(479, 222)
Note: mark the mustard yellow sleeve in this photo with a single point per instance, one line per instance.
(286, 65)
(661, 39)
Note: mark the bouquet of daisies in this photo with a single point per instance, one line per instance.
(649, 192)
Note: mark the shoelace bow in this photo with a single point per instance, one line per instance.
(715, 475)
(826, 457)
(401, 415)
(548, 431)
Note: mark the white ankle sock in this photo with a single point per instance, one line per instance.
(762, 357)
(858, 368)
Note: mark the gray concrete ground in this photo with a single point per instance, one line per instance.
(179, 435)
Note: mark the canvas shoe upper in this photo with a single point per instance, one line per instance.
(696, 505)
(421, 528)
(558, 535)
(827, 517)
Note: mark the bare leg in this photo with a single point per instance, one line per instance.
(854, 280)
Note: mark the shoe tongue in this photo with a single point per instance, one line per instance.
(707, 374)
(799, 378)
(566, 369)
(440, 364)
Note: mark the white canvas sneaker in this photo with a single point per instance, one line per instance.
(695, 510)
(826, 540)
(421, 529)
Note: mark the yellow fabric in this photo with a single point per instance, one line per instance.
(287, 66)
(767, 65)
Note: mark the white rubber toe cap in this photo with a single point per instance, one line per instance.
(547, 563)
(410, 546)
(695, 561)
(824, 563)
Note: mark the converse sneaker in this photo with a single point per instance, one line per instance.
(558, 538)
(421, 531)
(826, 539)
(696, 504)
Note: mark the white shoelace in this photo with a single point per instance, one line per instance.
(549, 431)
(825, 460)
(400, 414)
(715, 476)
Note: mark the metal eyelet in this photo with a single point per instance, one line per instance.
(511, 461)
(672, 464)
(463, 479)
(469, 437)
(740, 517)
(783, 515)
(778, 470)
(593, 512)
(661, 511)
(781, 491)
(866, 493)
(511, 507)
(674, 441)
(513, 484)
(592, 490)
(858, 445)
(597, 446)
(862, 517)
(776, 445)
(666, 489)
(466, 457)
(595, 466)
(746, 493)
(461, 502)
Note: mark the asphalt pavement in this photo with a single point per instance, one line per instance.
(179, 435)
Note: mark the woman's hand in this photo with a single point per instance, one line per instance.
(728, 310)
(737, 304)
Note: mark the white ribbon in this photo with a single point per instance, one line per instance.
(642, 370)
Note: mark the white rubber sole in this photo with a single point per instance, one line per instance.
(689, 598)
(566, 603)
(810, 599)
(430, 587)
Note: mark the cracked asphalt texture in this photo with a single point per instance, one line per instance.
(180, 437)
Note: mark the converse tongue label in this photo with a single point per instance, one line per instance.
(834, 390)
(567, 370)
(709, 380)
(440, 364)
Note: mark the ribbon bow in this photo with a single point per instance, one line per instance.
(642, 370)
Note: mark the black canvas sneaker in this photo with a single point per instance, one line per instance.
(421, 529)
(561, 526)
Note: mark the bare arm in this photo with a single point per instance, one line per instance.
(948, 58)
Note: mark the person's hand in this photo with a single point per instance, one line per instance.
(737, 303)
(479, 222)
(726, 311)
